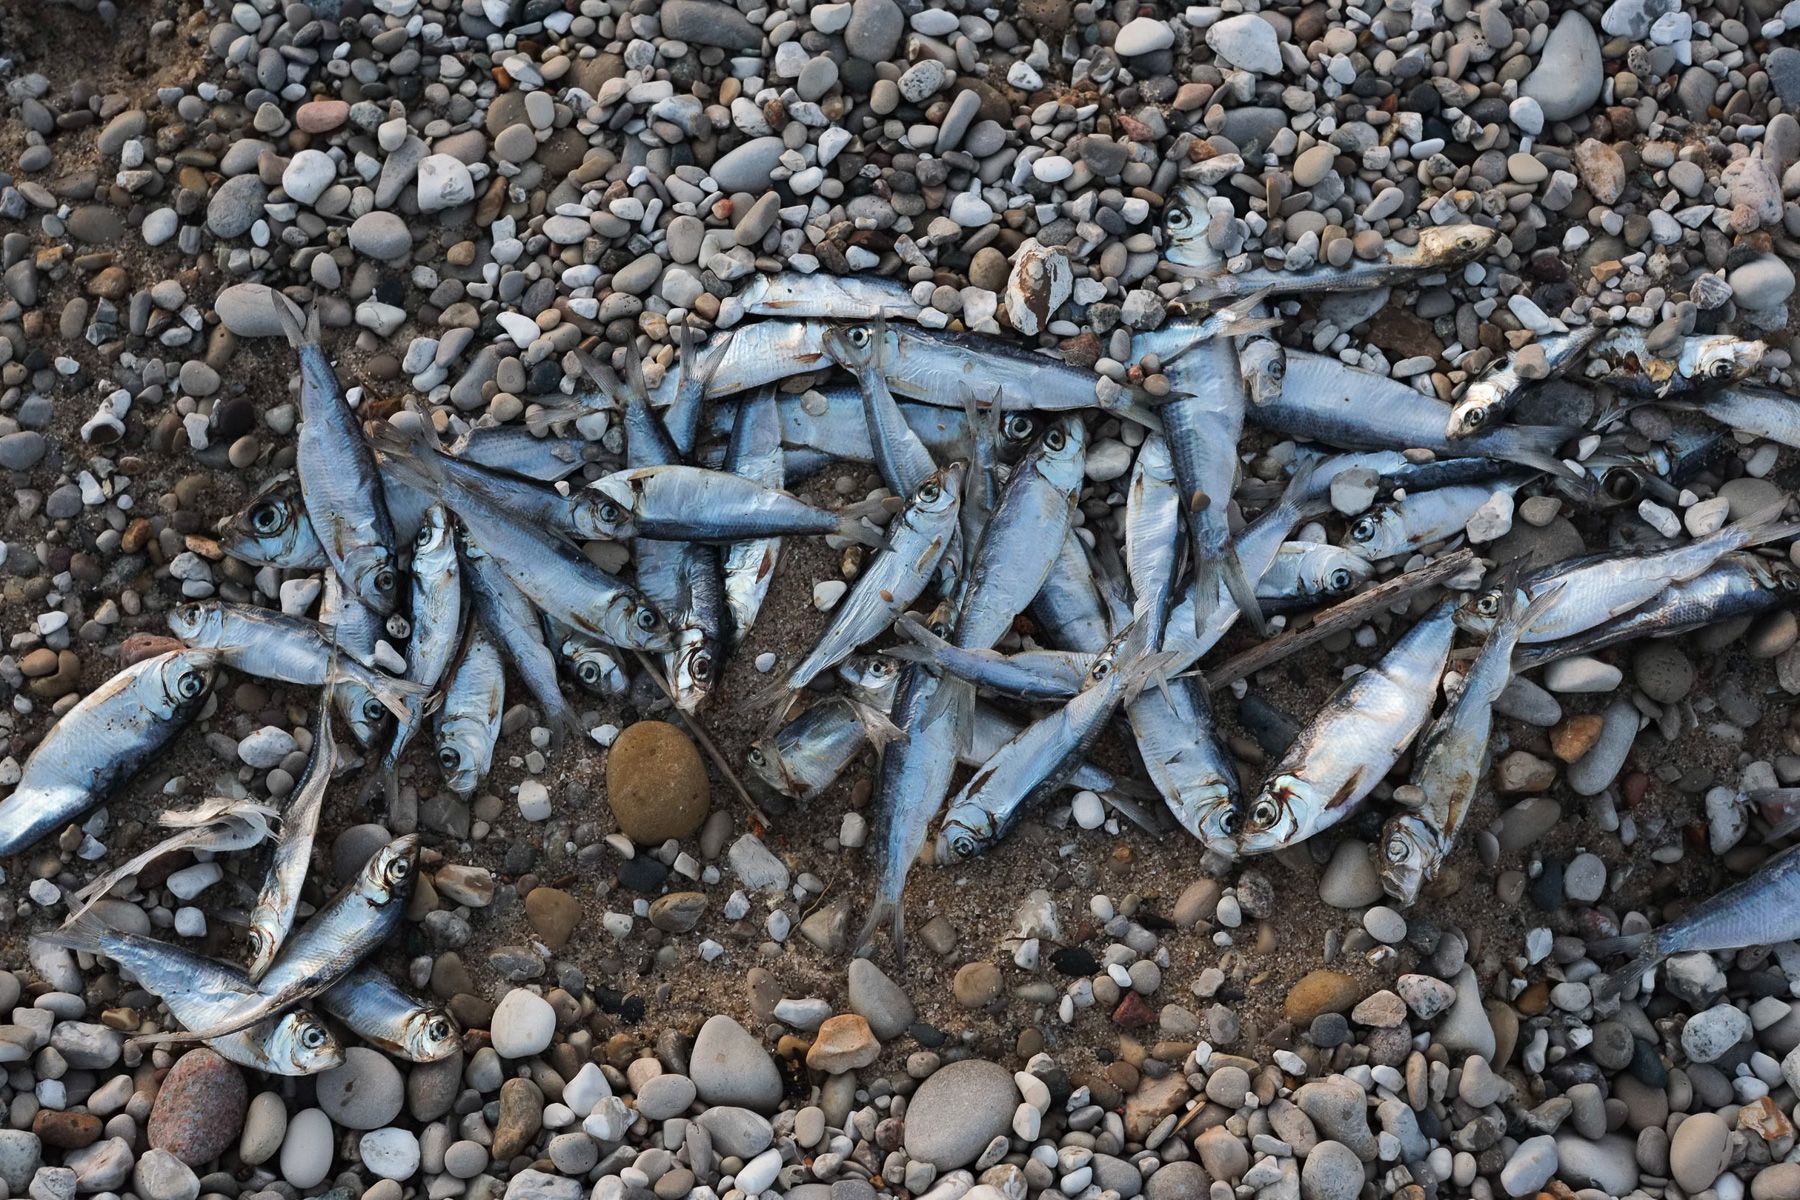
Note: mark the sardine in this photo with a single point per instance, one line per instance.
(1352, 742)
(810, 752)
(1624, 360)
(338, 476)
(900, 455)
(1324, 400)
(702, 628)
(355, 631)
(943, 368)
(272, 916)
(437, 621)
(1034, 675)
(1597, 588)
(1762, 411)
(201, 992)
(1402, 526)
(103, 741)
(1308, 574)
(828, 297)
(1068, 608)
(694, 504)
(1450, 762)
(749, 566)
(1486, 401)
(290, 649)
(345, 930)
(507, 616)
(468, 722)
(1152, 537)
(378, 1011)
(515, 449)
(992, 729)
(1399, 473)
(595, 667)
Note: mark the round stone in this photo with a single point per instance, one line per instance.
(656, 783)
(364, 1092)
(381, 235)
(306, 1153)
(958, 1111)
(523, 1024)
(199, 1109)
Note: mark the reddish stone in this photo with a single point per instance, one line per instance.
(199, 1110)
(1133, 1013)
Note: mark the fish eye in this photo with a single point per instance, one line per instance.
(929, 492)
(312, 1037)
(384, 580)
(1363, 530)
(1231, 821)
(1721, 369)
(189, 685)
(373, 709)
(587, 672)
(438, 1030)
(1341, 579)
(881, 666)
(858, 336)
(1467, 241)
(1265, 814)
(425, 536)
(1018, 427)
(702, 667)
(398, 870)
(940, 629)
(1101, 669)
(1055, 439)
(1789, 582)
(1396, 849)
(964, 845)
(609, 513)
(267, 517)
(449, 758)
(1178, 218)
(756, 757)
(646, 619)
(1488, 605)
(1277, 368)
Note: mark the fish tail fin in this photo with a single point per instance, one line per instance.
(1246, 317)
(1151, 668)
(1535, 446)
(955, 699)
(410, 455)
(402, 697)
(1137, 406)
(298, 329)
(1760, 528)
(1222, 570)
(1645, 951)
(565, 727)
(887, 910)
(881, 730)
(84, 931)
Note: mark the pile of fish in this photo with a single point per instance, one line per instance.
(1013, 604)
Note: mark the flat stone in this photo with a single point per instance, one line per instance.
(957, 1111)
(728, 1066)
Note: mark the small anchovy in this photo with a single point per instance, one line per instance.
(1738, 585)
(507, 616)
(828, 297)
(1323, 400)
(1034, 675)
(758, 353)
(1624, 360)
(1348, 746)
(201, 992)
(468, 722)
(272, 916)
(808, 754)
(702, 627)
(893, 579)
(1068, 608)
(376, 1010)
(338, 476)
(749, 566)
(1039, 760)
(1597, 588)
(1420, 519)
(1152, 537)
(689, 504)
(515, 449)
(1486, 401)
(1448, 766)
(1307, 574)
(1175, 337)
(595, 667)
(552, 574)
(290, 649)
(1439, 248)
(1022, 540)
(1761, 910)
(1399, 473)
(1262, 363)
(681, 419)
(437, 623)
(355, 632)
(345, 930)
(991, 729)
(103, 741)
(1762, 411)
(1178, 739)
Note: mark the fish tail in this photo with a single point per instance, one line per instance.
(852, 521)
(402, 697)
(410, 456)
(1137, 406)
(1300, 496)
(1213, 571)
(565, 726)
(1536, 445)
(884, 910)
(1648, 953)
(1760, 528)
(84, 931)
(298, 332)
(778, 693)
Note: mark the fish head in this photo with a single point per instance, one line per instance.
(300, 1044)
(200, 625)
(1377, 534)
(1720, 358)
(436, 538)
(1018, 430)
(1333, 570)
(388, 875)
(1061, 452)
(604, 510)
(1274, 818)
(373, 577)
(853, 346)
(459, 756)
(1263, 364)
(363, 714)
(1480, 611)
(1452, 245)
(429, 1034)
(1479, 410)
(1184, 230)
(631, 620)
(769, 778)
(1404, 856)
(693, 668)
(183, 678)
(595, 668)
(1213, 813)
(272, 530)
(964, 835)
(938, 496)
(871, 678)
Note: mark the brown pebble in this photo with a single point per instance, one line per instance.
(1319, 992)
(199, 1110)
(553, 914)
(1575, 736)
(656, 783)
(66, 1130)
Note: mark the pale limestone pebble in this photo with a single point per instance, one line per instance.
(730, 1067)
(523, 1024)
(959, 1110)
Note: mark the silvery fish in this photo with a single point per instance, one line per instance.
(900, 455)
(595, 667)
(1323, 400)
(1352, 742)
(345, 930)
(1765, 412)
(376, 1010)
(1262, 363)
(809, 753)
(992, 729)
(1738, 585)
(1307, 574)
(1438, 248)
(893, 579)
(687, 504)
(1039, 760)
(508, 618)
(749, 566)
(272, 530)
(1024, 537)
(1761, 910)
(1178, 335)
(553, 575)
(276, 645)
(830, 297)
(220, 825)
(682, 417)
(338, 476)
(272, 916)
(201, 992)
(355, 631)
(1034, 675)
(1486, 401)
(468, 722)
(1420, 519)
(1152, 537)
(1597, 588)
(514, 448)
(702, 628)
(1397, 472)
(437, 625)
(1450, 763)
(1624, 359)
(103, 741)
(1068, 609)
